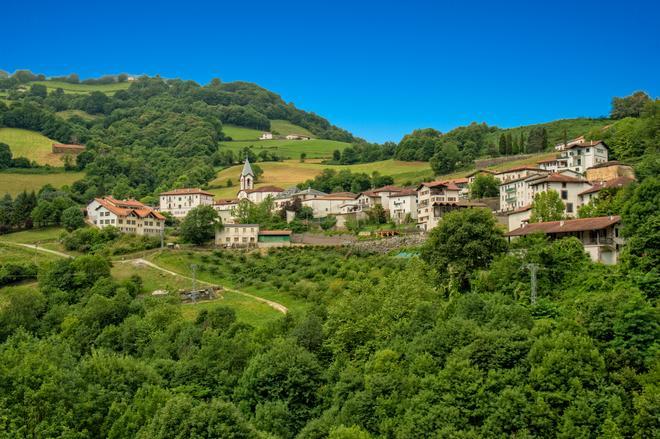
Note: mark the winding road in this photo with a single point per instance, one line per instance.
(140, 261)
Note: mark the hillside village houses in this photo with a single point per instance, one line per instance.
(178, 202)
(128, 216)
(266, 136)
(297, 137)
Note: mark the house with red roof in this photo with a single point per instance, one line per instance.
(600, 236)
(178, 202)
(128, 216)
(430, 193)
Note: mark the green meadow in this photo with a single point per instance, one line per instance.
(83, 88)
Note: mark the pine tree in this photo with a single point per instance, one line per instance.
(509, 143)
(523, 149)
(502, 144)
(544, 140)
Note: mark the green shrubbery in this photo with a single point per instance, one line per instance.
(108, 241)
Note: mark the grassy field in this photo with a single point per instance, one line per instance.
(13, 253)
(14, 183)
(68, 114)
(30, 144)
(34, 235)
(315, 148)
(241, 133)
(180, 262)
(291, 172)
(284, 128)
(83, 88)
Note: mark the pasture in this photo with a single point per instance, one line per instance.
(284, 128)
(314, 148)
(291, 172)
(31, 145)
(83, 88)
(13, 183)
(241, 133)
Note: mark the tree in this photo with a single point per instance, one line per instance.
(199, 225)
(483, 186)
(72, 218)
(445, 160)
(464, 241)
(547, 206)
(303, 156)
(38, 90)
(629, 106)
(328, 222)
(5, 156)
(336, 155)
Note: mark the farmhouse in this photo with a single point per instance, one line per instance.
(129, 216)
(59, 148)
(591, 193)
(584, 155)
(568, 188)
(226, 210)
(430, 193)
(403, 205)
(249, 235)
(266, 136)
(331, 204)
(179, 202)
(600, 236)
(297, 137)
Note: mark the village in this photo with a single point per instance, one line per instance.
(579, 172)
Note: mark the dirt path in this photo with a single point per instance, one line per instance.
(276, 306)
(36, 247)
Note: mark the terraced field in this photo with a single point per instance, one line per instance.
(31, 145)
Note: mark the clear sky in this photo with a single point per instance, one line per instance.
(378, 69)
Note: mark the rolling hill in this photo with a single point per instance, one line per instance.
(574, 128)
(31, 145)
(83, 88)
(314, 148)
(14, 182)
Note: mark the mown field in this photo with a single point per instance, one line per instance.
(68, 114)
(83, 88)
(31, 145)
(241, 133)
(284, 128)
(291, 172)
(13, 182)
(314, 148)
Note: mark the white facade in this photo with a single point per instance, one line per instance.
(429, 193)
(128, 216)
(226, 210)
(330, 204)
(237, 235)
(568, 192)
(266, 136)
(517, 173)
(403, 204)
(179, 202)
(583, 156)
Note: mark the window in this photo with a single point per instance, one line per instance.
(228, 239)
(569, 207)
(564, 195)
(616, 232)
(563, 185)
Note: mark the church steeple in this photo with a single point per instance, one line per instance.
(247, 176)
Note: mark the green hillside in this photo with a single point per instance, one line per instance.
(241, 133)
(14, 183)
(83, 88)
(314, 148)
(68, 114)
(284, 128)
(573, 127)
(31, 145)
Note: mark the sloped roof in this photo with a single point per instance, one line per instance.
(614, 183)
(126, 208)
(479, 171)
(566, 226)
(265, 189)
(404, 193)
(609, 163)
(557, 178)
(520, 168)
(459, 203)
(247, 169)
(223, 202)
(587, 144)
(338, 196)
(444, 183)
(187, 191)
(388, 188)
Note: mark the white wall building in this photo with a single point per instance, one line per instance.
(237, 235)
(266, 136)
(128, 216)
(178, 202)
(568, 188)
(584, 155)
(430, 193)
(226, 210)
(403, 204)
(331, 204)
(518, 173)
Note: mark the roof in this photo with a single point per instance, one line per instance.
(404, 193)
(520, 209)
(187, 191)
(241, 225)
(275, 232)
(444, 183)
(479, 171)
(557, 178)
(614, 183)
(389, 188)
(587, 144)
(264, 189)
(556, 159)
(125, 208)
(371, 194)
(567, 226)
(338, 196)
(247, 169)
(222, 202)
(69, 145)
(463, 180)
(520, 168)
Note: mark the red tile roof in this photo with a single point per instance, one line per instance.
(222, 202)
(126, 208)
(557, 178)
(567, 226)
(389, 188)
(520, 209)
(479, 171)
(587, 144)
(614, 183)
(444, 183)
(275, 232)
(404, 193)
(186, 191)
(338, 196)
(520, 168)
(609, 163)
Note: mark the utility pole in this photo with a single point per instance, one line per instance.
(533, 269)
(193, 267)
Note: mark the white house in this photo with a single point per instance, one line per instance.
(517, 218)
(297, 137)
(586, 196)
(568, 188)
(266, 136)
(237, 235)
(403, 204)
(291, 194)
(178, 202)
(128, 216)
(257, 195)
(433, 192)
(584, 155)
(562, 146)
(553, 165)
(600, 236)
(226, 210)
(331, 204)
(517, 173)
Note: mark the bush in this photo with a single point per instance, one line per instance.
(12, 273)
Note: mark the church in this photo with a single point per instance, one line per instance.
(248, 191)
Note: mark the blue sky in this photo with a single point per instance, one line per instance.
(379, 69)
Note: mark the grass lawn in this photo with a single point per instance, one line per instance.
(241, 133)
(247, 309)
(14, 183)
(314, 148)
(180, 261)
(83, 88)
(284, 128)
(30, 144)
(34, 235)
(67, 114)
(14, 253)
(291, 172)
